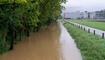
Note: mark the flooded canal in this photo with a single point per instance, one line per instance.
(53, 43)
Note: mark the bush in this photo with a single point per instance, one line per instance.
(17, 17)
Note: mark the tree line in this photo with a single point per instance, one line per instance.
(19, 17)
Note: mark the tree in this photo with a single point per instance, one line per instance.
(25, 15)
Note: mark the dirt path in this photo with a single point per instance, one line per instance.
(49, 44)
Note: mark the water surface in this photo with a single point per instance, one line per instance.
(53, 43)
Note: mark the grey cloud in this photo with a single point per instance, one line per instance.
(89, 5)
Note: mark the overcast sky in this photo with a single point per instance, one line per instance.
(84, 5)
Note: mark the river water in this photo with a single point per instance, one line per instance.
(53, 43)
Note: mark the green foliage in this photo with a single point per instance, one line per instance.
(91, 47)
(11, 1)
(25, 15)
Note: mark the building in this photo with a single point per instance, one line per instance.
(85, 15)
(73, 15)
(97, 14)
(100, 14)
(92, 15)
(76, 15)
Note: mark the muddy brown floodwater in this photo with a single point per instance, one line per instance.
(53, 43)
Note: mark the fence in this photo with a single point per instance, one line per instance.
(89, 29)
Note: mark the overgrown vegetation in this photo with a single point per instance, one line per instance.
(91, 47)
(90, 23)
(19, 17)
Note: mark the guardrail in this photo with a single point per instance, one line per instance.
(89, 29)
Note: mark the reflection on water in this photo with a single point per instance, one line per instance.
(45, 45)
(68, 47)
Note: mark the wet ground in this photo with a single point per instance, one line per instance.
(53, 43)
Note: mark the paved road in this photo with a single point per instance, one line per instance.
(97, 31)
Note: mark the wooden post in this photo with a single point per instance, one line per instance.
(94, 32)
(88, 30)
(79, 26)
(102, 35)
(84, 28)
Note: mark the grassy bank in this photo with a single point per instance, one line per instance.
(91, 47)
(97, 25)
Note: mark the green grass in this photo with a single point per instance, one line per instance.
(97, 25)
(91, 47)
